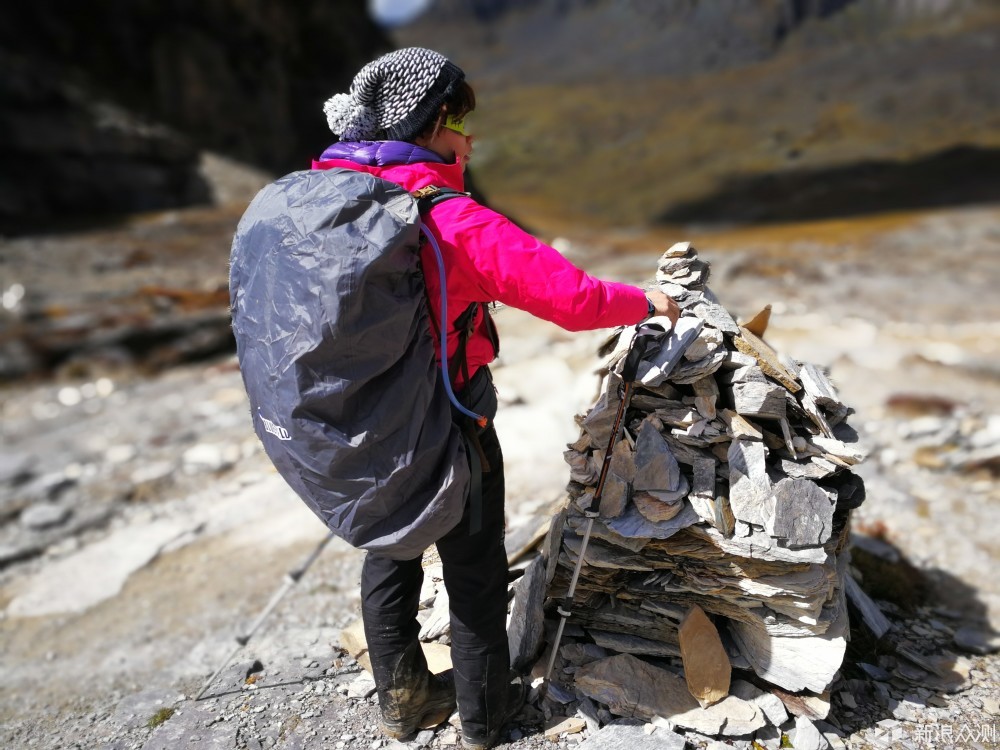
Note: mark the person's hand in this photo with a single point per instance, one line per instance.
(664, 305)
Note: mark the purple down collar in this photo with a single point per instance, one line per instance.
(380, 153)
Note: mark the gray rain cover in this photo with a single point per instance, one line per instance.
(334, 345)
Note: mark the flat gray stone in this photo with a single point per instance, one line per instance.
(15, 466)
(759, 399)
(656, 469)
(621, 471)
(361, 686)
(750, 496)
(44, 515)
(137, 709)
(731, 717)
(793, 663)
(810, 468)
(806, 736)
(94, 573)
(688, 372)
(623, 643)
(632, 737)
(716, 316)
(708, 342)
(632, 524)
(976, 640)
(774, 710)
(187, 728)
(630, 687)
(802, 513)
(527, 619)
(702, 495)
(657, 367)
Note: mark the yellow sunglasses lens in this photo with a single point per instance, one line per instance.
(459, 125)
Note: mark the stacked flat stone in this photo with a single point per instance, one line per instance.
(723, 526)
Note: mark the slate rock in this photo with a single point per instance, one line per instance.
(654, 369)
(16, 467)
(137, 709)
(618, 482)
(656, 469)
(44, 516)
(793, 663)
(803, 513)
(187, 728)
(706, 665)
(731, 717)
(750, 496)
(630, 687)
(633, 524)
(774, 710)
(977, 640)
(806, 736)
(632, 737)
(527, 619)
(654, 509)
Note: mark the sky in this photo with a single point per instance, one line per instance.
(395, 12)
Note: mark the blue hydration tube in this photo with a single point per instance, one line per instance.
(479, 418)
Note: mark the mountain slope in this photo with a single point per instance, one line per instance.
(681, 116)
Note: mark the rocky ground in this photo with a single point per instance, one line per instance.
(141, 527)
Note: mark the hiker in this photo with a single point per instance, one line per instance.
(406, 120)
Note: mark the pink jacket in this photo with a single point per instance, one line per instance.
(487, 258)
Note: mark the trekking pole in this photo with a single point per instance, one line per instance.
(637, 349)
(291, 578)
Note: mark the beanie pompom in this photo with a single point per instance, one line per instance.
(349, 119)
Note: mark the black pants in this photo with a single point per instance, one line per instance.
(475, 575)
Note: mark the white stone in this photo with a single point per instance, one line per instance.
(805, 736)
(95, 573)
(43, 515)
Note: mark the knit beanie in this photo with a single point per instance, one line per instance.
(393, 97)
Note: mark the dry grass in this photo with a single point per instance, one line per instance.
(621, 153)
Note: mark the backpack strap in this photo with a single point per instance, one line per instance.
(426, 198)
(431, 195)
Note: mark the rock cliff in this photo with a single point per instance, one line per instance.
(104, 106)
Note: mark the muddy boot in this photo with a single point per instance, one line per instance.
(409, 696)
(488, 703)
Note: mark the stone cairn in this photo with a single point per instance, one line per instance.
(713, 591)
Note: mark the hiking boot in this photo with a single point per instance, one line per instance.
(409, 696)
(474, 739)
(408, 710)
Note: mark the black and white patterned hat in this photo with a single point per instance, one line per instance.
(393, 97)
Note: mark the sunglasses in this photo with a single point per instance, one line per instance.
(460, 125)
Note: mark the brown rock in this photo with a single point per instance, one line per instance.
(758, 323)
(767, 358)
(654, 509)
(706, 665)
(352, 638)
(814, 707)
(558, 725)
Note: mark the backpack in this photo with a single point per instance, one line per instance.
(335, 348)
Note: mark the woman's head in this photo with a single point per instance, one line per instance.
(404, 95)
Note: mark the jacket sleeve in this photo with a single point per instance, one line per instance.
(508, 265)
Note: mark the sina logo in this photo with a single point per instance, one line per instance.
(277, 430)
